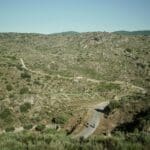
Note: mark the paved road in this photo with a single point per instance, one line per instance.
(93, 121)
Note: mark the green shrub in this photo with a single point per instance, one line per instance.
(12, 95)
(25, 107)
(9, 129)
(40, 127)
(61, 119)
(19, 67)
(1, 97)
(28, 126)
(5, 113)
(25, 75)
(24, 90)
(113, 105)
(140, 65)
(37, 82)
(9, 87)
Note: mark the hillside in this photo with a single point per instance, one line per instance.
(49, 80)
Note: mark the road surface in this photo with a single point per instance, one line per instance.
(93, 122)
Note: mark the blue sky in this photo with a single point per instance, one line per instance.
(51, 16)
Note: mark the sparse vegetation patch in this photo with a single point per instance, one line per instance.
(25, 107)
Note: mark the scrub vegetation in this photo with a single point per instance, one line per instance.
(50, 82)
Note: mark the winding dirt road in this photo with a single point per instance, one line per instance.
(93, 122)
(78, 78)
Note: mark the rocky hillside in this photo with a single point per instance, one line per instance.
(66, 74)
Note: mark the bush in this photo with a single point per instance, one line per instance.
(12, 95)
(60, 119)
(25, 75)
(25, 107)
(113, 105)
(37, 82)
(9, 87)
(5, 113)
(40, 127)
(28, 126)
(24, 90)
(9, 129)
(140, 65)
(1, 97)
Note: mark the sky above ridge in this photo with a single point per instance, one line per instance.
(51, 16)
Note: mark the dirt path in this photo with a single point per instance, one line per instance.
(93, 122)
(78, 78)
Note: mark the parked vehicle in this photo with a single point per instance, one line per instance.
(92, 125)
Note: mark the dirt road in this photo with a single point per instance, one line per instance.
(93, 121)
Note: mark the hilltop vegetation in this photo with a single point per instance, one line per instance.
(65, 75)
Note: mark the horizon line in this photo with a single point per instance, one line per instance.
(75, 31)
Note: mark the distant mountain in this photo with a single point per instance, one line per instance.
(146, 32)
(66, 33)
